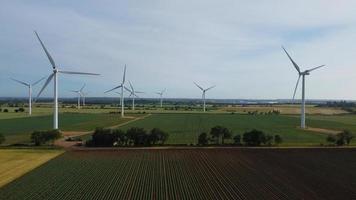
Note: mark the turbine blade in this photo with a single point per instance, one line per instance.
(114, 88)
(210, 88)
(198, 86)
(128, 90)
(123, 78)
(309, 70)
(45, 85)
(296, 87)
(23, 83)
(290, 58)
(81, 89)
(131, 86)
(35, 83)
(47, 53)
(82, 73)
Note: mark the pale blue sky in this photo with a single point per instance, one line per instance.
(233, 44)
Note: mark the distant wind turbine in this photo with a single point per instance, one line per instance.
(80, 94)
(161, 95)
(84, 95)
(54, 76)
(29, 85)
(301, 74)
(122, 92)
(133, 94)
(203, 95)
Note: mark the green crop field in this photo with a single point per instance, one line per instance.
(184, 128)
(18, 130)
(191, 174)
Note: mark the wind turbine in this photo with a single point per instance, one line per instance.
(84, 94)
(122, 92)
(203, 95)
(54, 76)
(301, 74)
(133, 94)
(80, 94)
(29, 85)
(160, 95)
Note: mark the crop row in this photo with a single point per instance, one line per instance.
(192, 174)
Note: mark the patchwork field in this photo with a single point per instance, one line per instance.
(16, 162)
(192, 174)
(18, 130)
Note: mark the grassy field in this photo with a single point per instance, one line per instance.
(284, 109)
(18, 130)
(192, 174)
(184, 128)
(16, 162)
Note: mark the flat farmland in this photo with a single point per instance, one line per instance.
(184, 128)
(284, 109)
(16, 162)
(192, 174)
(17, 130)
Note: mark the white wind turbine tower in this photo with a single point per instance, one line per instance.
(161, 95)
(122, 92)
(203, 95)
(80, 94)
(54, 76)
(120, 97)
(29, 85)
(133, 94)
(301, 74)
(84, 95)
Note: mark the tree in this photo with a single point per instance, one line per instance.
(348, 136)
(331, 139)
(278, 139)
(268, 140)
(42, 137)
(219, 133)
(341, 138)
(102, 137)
(254, 138)
(2, 138)
(157, 135)
(237, 139)
(203, 139)
(137, 136)
(119, 137)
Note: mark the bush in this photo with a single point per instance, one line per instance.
(2, 138)
(254, 138)
(6, 110)
(341, 138)
(21, 110)
(237, 139)
(277, 139)
(42, 137)
(157, 135)
(203, 139)
(220, 133)
(103, 138)
(137, 136)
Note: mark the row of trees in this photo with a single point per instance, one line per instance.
(219, 134)
(342, 138)
(134, 136)
(43, 137)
